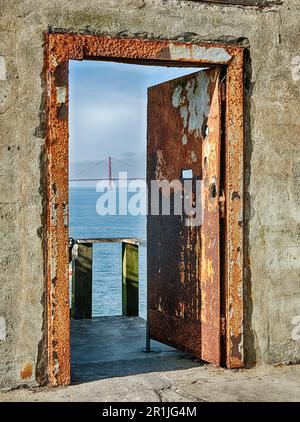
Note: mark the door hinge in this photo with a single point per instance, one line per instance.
(222, 204)
(223, 326)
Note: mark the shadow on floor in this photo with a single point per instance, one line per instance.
(107, 347)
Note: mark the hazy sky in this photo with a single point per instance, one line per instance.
(108, 108)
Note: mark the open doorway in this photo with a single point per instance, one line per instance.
(108, 143)
(220, 306)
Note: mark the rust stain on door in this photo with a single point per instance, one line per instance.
(183, 255)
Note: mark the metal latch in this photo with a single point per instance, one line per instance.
(222, 204)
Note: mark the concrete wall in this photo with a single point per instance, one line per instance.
(272, 282)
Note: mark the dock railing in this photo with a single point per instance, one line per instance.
(81, 256)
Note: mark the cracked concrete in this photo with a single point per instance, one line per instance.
(205, 383)
(108, 364)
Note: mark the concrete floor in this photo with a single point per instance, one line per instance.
(106, 347)
(108, 364)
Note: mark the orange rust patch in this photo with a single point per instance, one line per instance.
(26, 371)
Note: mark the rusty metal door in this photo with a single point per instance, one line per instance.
(184, 131)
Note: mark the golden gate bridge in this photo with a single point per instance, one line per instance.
(109, 177)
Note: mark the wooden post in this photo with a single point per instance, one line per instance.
(82, 274)
(130, 279)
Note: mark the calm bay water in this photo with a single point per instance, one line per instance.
(85, 223)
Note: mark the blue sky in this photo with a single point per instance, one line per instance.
(108, 108)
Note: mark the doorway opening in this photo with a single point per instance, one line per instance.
(188, 133)
(108, 142)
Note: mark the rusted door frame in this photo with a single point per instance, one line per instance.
(60, 48)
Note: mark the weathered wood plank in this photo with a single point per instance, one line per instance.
(130, 279)
(82, 277)
(131, 240)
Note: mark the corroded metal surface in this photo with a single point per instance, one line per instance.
(210, 233)
(57, 241)
(65, 47)
(60, 48)
(183, 260)
(234, 212)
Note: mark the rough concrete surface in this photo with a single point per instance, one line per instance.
(272, 221)
(204, 383)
